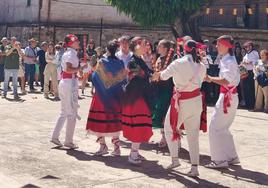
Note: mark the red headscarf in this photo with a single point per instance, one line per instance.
(71, 39)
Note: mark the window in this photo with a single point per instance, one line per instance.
(28, 3)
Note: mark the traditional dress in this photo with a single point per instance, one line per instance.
(68, 93)
(136, 113)
(186, 104)
(104, 117)
(162, 92)
(221, 141)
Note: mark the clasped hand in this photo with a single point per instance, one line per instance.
(207, 78)
(155, 77)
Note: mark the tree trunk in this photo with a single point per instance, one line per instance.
(186, 27)
(177, 28)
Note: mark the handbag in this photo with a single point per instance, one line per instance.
(243, 72)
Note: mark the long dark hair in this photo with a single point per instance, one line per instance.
(112, 48)
(192, 46)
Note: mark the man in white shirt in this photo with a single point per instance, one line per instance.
(250, 59)
(124, 53)
(222, 147)
(68, 91)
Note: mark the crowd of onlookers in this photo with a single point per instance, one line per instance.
(39, 64)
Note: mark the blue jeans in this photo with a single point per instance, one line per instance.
(30, 74)
(2, 72)
(8, 74)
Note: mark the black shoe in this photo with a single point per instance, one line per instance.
(16, 97)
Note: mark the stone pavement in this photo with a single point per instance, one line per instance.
(28, 159)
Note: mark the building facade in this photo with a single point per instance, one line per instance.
(51, 20)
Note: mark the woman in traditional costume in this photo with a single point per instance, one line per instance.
(104, 117)
(136, 113)
(163, 89)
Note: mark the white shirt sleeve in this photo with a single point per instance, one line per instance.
(203, 71)
(170, 71)
(229, 71)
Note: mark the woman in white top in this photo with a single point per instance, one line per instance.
(261, 71)
(221, 141)
(187, 74)
(51, 72)
(250, 59)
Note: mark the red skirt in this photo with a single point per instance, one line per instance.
(103, 122)
(137, 121)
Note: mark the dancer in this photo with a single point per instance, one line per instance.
(186, 104)
(68, 92)
(136, 113)
(163, 89)
(222, 148)
(105, 111)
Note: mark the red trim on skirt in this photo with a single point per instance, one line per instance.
(137, 121)
(101, 120)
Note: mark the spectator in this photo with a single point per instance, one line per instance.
(93, 63)
(207, 61)
(124, 53)
(213, 52)
(11, 68)
(148, 57)
(239, 59)
(262, 82)
(21, 73)
(42, 63)
(4, 42)
(51, 72)
(30, 61)
(59, 51)
(91, 48)
(238, 54)
(250, 59)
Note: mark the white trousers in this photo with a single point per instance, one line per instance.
(221, 141)
(68, 93)
(189, 114)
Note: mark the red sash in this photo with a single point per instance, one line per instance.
(227, 91)
(174, 107)
(66, 75)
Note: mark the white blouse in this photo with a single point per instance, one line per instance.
(70, 56)
(229, 70)
(185, 72)
(251, 57)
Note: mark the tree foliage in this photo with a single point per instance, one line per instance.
(158, 12)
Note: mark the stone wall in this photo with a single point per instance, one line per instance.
(108, 33)
(259, 37)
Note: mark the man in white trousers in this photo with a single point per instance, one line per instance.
(68, 92)
(222, 148)
(188, 75)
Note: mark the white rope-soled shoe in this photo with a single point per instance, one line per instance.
(193, 172)
(175, 163)
(217, 164)
(234, 161)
